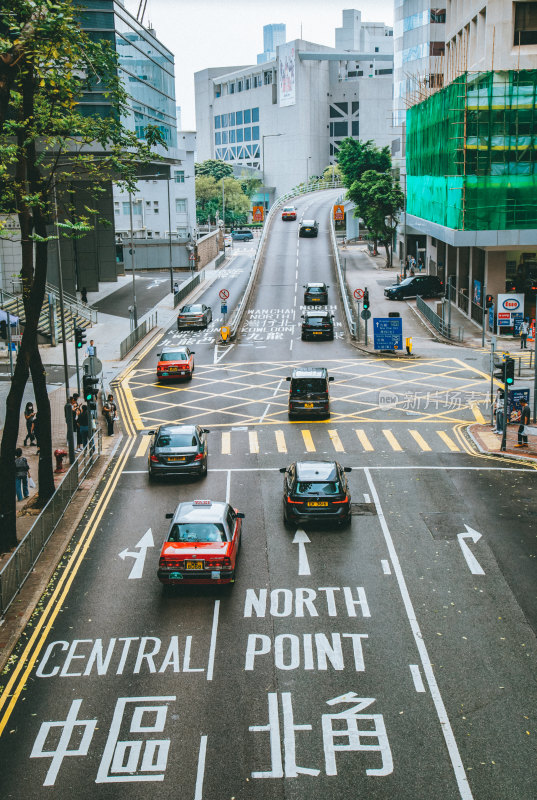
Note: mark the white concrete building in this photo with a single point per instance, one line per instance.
(286, 117)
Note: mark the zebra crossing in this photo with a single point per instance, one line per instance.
(301, 439)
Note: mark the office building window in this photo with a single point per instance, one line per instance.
(180, 205)
(255, 114)
(255, 133)
(247, 134)
(525, 23)
(355, 128)
(239, 134)
(218, 138)
(180, 175)
(339, 129)
(247, 84)
(438, 15)
(232, 88)
(182, 233)
(355, 106)
(224, 120)
(247, 116)
(224, 137)
(231, 119)
(239, 86)
(217, 121)
(376, 49)
(267, 78)
(231, 137)
(238, 117)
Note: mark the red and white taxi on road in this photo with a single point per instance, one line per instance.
(202, 544)
(288, 212)
(175, 364)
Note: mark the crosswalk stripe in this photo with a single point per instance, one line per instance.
(450, 443)
(308, 441)
(392, 441)
(477, 413)
(143, 446)
(254, 442)
(364, 441)
(420, 440)
(226, 443)
(280, 442)
(336, 441)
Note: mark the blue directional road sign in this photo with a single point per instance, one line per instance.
(388, 333)
(223, 308)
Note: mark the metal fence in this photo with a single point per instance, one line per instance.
(349, 316)
(436, 321)
(137, 335)
(25, 556)
(187, 286)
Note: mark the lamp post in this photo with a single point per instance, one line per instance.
(307, 170)
(263, 137)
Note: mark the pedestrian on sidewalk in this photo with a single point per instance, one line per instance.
(29, 416)
(90, 349)
(498, 405)
(22, 473)
(420, 265)
(75, 408)
(524, 420)
(524, 331)
(84, 295)
(83, 424)
(109, 413)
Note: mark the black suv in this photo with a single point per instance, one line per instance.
(416, 286)
(177, 450)
(309, 227)
(317, 325)
(315, 294)
(309, 393)
(316, 491)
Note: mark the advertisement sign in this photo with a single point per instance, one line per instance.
(258, 213)
(514, 396)
(339, 213)
(491, 318)
(388, 333)
(511, 303)
(286, 76)
(476, 297)
(517, 319)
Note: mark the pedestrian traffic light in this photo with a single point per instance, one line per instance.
(489, 301)
(3, 329)
(509, 371)
(80, 337)
(89, 388)
(366, 299)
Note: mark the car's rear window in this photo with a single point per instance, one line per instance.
(315, 289)
(197, 308)
(174, 356)
(316, 320)
(308, 386)
(198, 532)
(176, 440)
(317, 488)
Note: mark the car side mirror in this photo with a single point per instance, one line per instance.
(239, 515)
(150, 433)
(288, 378)
(169, 516)
(347, 469)
(159, 354)
(205, 430)
(283, 469)
(192, 352)
(331, 378)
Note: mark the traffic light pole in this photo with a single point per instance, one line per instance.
(492, 346)
(504, 431)
(76, 363)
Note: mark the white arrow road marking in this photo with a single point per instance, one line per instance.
(473, 564)
(301, 539)
(139, 555)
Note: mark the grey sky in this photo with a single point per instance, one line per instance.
(210, 33)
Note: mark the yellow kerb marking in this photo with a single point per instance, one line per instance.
(364, 441)
(280, 442)
(336, 441)
(392, 441)
(308, 441)
(143, 447)
(420, 440)
(477, 414)
(447, 440)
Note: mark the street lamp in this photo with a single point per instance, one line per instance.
(263, 137)
(307, 169)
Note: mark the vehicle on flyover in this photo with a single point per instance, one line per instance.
(315, 294)
(289, 213)
(173, 364)
(177, 450)
(309, 227)
(317, 325)
(202, 544)
(315, 491)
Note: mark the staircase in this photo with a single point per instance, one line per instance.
(75, 313)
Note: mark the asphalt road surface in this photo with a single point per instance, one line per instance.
(391, 659)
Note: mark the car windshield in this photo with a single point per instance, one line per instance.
(174, 356)
(198, 532)
(177, 440)
(308, 386)
(406, 281)
(326, 489)
(289, 208)
(189, 309)
(316, 320)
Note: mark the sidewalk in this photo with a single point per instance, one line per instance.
(490, 443)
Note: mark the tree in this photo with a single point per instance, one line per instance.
(207, 198)
(237, 204)
(48, 146)
(333, 173)
(218, 169)
(356, 157)
(378, 198)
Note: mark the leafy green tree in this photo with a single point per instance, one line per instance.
(356, 157)
(237, 204)
(218, 169)
(378, 199)
(332, 172)
(48, 148)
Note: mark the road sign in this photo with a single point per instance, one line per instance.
(258, 214)
(94, 365)
(339, 213)
(366, 314)
(358, 294)
(223, 294)
(16, 337)
(388, 333)
(223, 308)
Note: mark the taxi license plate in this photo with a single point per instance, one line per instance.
(176, 458)
(320, 504)
(172, 369)
(308, 405)
(193, 564)
(315, 299)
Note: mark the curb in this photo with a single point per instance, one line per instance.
(496, 453)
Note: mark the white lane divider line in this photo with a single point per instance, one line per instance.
(367, 499)
(198, 794)
(277, 389)
(416, 677)
(445, 725)
(228, 485)
(386, 566)
(212, 646)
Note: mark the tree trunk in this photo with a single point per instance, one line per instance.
(8, 502)
(45, 483)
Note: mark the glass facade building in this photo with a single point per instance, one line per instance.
(146, 68)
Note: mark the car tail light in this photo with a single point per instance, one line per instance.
(154, 459)
(198, 456)
(218, 561)
(295, 502)
(162, 562)
(345, 500)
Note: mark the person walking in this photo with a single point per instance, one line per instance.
(499, 411)
(22, 473)
(75, 408)
(524, 419)
(29, 416)
(109, 413)
(524, 331)
(83, 425)
(420, 265)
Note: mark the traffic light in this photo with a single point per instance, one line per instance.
(89, 390)
(80, 337)
(509, 371)
(489, 301)
(366, 299)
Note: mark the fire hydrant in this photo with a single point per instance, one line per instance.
(59, 455)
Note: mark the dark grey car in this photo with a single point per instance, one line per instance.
(178, 450)
(194, 315)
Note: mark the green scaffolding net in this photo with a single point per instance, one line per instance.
(471, 153)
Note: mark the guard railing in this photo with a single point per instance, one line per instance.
(349, 315)
(187, 286)
(137, 335)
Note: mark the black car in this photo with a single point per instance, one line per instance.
(178, 450)
(315, 491)
(416, 286)
(194, 315)
(309, 227)
(317, 325)
(315, 294)
(309, 393)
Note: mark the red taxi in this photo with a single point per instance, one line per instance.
(288, 212)
(175, 364)
(202, 544)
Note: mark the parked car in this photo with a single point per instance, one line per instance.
(309, 227)
(309, 392)
(194, 315)
(416, 286)
(242, 236)
(317, 325)
(315, 294)
(289, 213)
